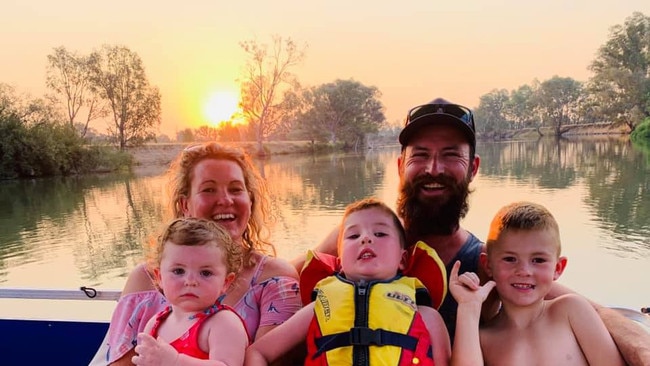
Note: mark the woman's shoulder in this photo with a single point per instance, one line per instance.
(138, 280)
(276, 267)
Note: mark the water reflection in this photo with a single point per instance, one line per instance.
(543, 163)
(325, 182)
(99, 220)
(615, 174)
(309, 193)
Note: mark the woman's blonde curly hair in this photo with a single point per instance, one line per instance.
(255, 237)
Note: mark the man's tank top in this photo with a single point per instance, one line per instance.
(468, 255)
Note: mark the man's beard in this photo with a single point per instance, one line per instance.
(432, 215)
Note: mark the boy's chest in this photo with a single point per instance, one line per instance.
(539, 345)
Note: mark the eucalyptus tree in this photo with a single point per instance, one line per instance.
(344, 110)
(267, 75)
(28, 110)
(228, 131)
(69, 76)
(557, 101)
(118, 76)
(185, 135)
(621, 80)
(491, 111)
(206, 133)
(307, 122)
(8, 100)
(521, 107)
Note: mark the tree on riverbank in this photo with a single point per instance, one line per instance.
(118, 75)
(344, 110)
(68, 75)
(621, 82)
(267, 76)
(619, 91)
(558, 100)
(554, 103)
(492, 112)
(109, 82)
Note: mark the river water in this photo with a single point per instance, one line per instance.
(63, 233)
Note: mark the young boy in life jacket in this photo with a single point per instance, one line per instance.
(367, 314)
(523, 259)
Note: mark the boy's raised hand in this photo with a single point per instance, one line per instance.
(467, 287)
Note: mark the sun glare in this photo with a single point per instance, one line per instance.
(220, 106)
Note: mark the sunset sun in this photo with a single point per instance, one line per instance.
(220, 106)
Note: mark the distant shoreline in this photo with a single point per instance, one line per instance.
(154, 158)
(591, 129)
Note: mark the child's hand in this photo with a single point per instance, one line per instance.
(467, 287)
(151, 351)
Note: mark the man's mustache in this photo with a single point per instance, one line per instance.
(441, 179)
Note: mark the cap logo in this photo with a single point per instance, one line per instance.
(440, 110)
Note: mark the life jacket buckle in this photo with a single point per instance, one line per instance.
(362, 336)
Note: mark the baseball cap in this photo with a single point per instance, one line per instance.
(439, 111)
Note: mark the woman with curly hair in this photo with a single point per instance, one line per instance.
(218, 183)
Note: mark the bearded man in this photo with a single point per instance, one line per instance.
(437, 164)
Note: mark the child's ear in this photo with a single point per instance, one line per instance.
(404, 261)
(230, 277)
(485, 264)
(157, 279)
(559, 267)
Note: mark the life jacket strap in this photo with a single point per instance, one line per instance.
(363, 336)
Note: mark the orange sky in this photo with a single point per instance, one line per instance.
(412, 51)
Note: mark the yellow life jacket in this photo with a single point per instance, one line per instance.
(373, 323)
(422, 262)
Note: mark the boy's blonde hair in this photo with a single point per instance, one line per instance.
(368, 203)
(255, 237)
(524, 216)
(195, 232)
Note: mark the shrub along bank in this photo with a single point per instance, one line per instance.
(50, 149)
(641, 134)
